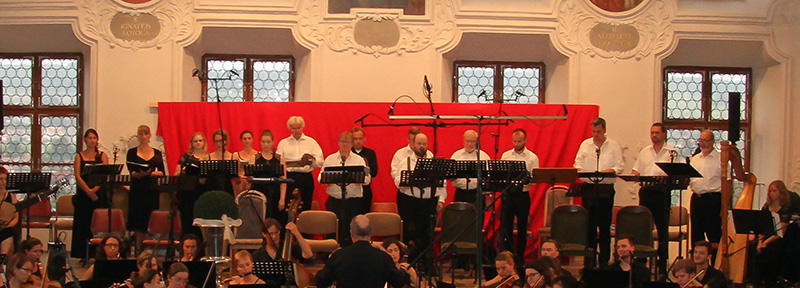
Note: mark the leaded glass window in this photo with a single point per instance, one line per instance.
(496, 82)
(239, 78)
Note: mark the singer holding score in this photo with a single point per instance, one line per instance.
(86, 198)
(599, 154)
(303, 155)
(656, 197)
(467, 189)
(348, 205)
(143, 161)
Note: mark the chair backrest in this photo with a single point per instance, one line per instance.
(385, 224)
(64, 206)
(252, 206)
(390, 207)
(614, 211)
(100, 222)
(554, 197)
(458, 217)
(678, 216)
(317, 222)
(39, 212)
(315, 205)
(569, 224)
(159, 224)
(636, 221)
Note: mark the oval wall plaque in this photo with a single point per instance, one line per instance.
(142, 27)
(371, 33)
(614, 37)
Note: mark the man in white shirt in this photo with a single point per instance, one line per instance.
(706, 200)
(602, 154)
(417, 207)
(657, 197)
(303, 155)
(517, 201)
(467, 189)
(348, 205)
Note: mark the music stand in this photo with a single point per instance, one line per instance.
(172, 185)
(263, 170)
(753, 222)
(105, 176)
(468, 169)
(197, 272)
(222, 167)
(553, 176)
(343, 176)
(592, 180)
(28, 183)
(108, 272)
(277, 272)
(679, 176)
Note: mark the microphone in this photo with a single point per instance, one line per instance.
(428, 86)
(697, 150)
(672, 155)
(195, 72)
(483, 93)
(344, 158)
(362, 118)
(565, 109)
(597, 151)
(422, 152)
(234, 72)
(391, 109)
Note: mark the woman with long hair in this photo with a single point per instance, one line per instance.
(276, 193)
(143, 161)
(399, 253)
(18, 270)
(220, 181)
(110, 249)
(246, 156)
(86, 198)
(189, 165)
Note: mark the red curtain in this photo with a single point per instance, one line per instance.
(554, 141)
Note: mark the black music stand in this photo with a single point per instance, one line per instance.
(468, 169)
(197, 272)
(275, 272)
(500, 176)
(587, 188)
(753, 222)
(679, 176)
(263, 170)
(172, 185)
(104, 175)
(28, 183)
(344, 176)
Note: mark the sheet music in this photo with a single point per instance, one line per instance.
(145, 165)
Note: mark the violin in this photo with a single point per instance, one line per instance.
(509, 282)
(35, 281)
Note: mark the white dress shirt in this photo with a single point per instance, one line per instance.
(531, 161)
(462, 154)
(610, 158)
(711, 168)
(354, 190)
(405, 159)
(293, 149)
(646, 162)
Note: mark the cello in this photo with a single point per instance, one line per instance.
(302, 277)
(731, 241)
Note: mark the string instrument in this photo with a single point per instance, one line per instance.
(302, 276)
(35, 281)
(7, 210)
(509, 282)
(693, 282)
(731, 241)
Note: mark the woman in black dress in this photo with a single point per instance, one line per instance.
(246, 156)
(774, 254)
(86, 198)
(276, 194)
(220, 181)
(189, 165)
(8, 227)
(143, 161)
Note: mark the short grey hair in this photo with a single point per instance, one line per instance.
(294, 120)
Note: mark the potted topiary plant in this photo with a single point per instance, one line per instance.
(213, 212)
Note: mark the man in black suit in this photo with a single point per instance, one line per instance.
(372, 163)
(360, 264)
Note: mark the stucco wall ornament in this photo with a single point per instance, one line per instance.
(174, 22)
(623, 35)
(379, 32)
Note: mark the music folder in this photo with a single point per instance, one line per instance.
(758, 222)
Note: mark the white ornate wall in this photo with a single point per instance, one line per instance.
(387, 55)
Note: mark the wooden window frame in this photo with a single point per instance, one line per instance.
(247, 78)
(498, 81)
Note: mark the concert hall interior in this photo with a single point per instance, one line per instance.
(626, 83)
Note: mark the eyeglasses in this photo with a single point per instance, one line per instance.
(112, 245)
(180, 279)
(26, 269)
(529, 276)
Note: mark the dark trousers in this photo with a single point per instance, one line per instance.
(706, 221)
(366, 200)
(304, 182)
(418, 215)
(350, 207)
(657, 199)
(468, 196)
(515, 203)
(600, 213)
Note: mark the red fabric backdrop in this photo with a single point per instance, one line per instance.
(554, 141)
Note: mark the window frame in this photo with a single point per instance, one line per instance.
(706, 122)
(497, 94)
(36, 110)
(247, 78)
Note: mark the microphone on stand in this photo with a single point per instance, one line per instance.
(344, 158)
(234, 72)
(391, 109)
(428, 87)
(672, 155)
(597, 151)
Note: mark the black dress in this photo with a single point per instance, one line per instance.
(219, 180)
(190, 166)
(84, 209)
(141, 199)
(271, 191)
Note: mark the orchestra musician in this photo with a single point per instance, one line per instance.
(86, 198)
(656, 197)
(32, 249)
(712, 278)
(246, 156)
(359, 135)
(399, 253)
(601, 154)
(221, 180)
(109, 249)
(178, 276)
(416, 207)
(538, 275)
(685, 273)
(271, 250)
(189, 165)
(775, 253)
(351, 202)
(625, 248)
(244, 269)
(517, 202)
(550, 248)
(507, 276)
(18, 270)
(304, 155)
(9, 229)
(276, 193)
(190, 245)
(467, 189)
(143, 161)
(148, 278)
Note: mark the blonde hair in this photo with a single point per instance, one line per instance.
(295, 120)
(142, 128)
(242, 254)
(191, 141)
